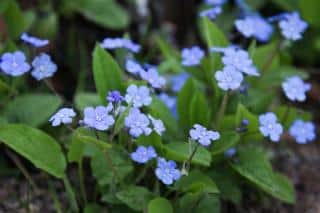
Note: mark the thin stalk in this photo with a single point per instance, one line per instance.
(222, 109)
(71, 194)
(142, 174)
(51, 87)
(82, 183)
(56, 202)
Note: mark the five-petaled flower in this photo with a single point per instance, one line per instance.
(167, 171)
(138, 96)
(229, 78)
(63, 116)
(133, 67)
(295, 89)
(115, 96)
(143, 154)
(192, 56)
(202, 135)
(292, 26)
(211, 13)
(157, 124)
(14, 64)
(303, 132)
(43, 67)
(152, 76)
(99, 117)
(269, 126)
(138, 123)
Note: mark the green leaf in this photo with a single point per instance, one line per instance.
(92, 208)
(226, 141)
(310, 10)
(32, 109)
(82, 100)
(254, 166)
(111, 166)
(196, 181)
(179, 151)
(287, 115)
(214, 36)
(257, 100)
(36, 146)
(288, 4)
(107, 73)
(14, 19)
(4, 5)
(160, 205)
(136, 197)
(198, 202)
(120, 121)
(199, 110)
(106, 13)
(183, 103)
(172, 56)
(151, 140)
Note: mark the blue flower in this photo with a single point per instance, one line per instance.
(229, 78)
(115, 96)
(170, 102)
(153, 78)
(138, 96)
(254, 26)
(215, 2)
(270, 127)
(295, 89)
(230, 152)
(34, 41)
(166, 171)
(143, 154)
(202, 135)
(292, 26)
(303, 132)
(211, 13)
(115, 43)
(43, 67)
(157, 124)
(138, 123)
(64, 116)
(240, 60)
(177, 81)
(14, 64)
(99, 117)
(192, 56)
(133, 67)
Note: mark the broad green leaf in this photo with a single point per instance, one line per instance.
(310, 10)
(226, 141)
(287, 4)
(83, 100)
(32, 109)
(198, 202)
(179, 151)
(172, 56)
(107, 73)
(14, 19)
(36, 146)
(160, 111)
(266, 57)
(199, 110)
(196, 181)
(160, 205)
(183, 103)
(47, 26)
(106, 13)
(110, 166)
(254, 166)
(136, 197)
(257, 100)
(214, 36)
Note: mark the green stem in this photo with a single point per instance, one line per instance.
(71, 194)
(82, 183)
(222, 109)
(56, 202)
(142, 174)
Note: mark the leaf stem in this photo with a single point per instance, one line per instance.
(222, 109)
(71, 194)
(82, 182)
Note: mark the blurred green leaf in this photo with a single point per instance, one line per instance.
(287, 115)
(199, 203)
(199, 110)
(82, 100)
(266, 57)
(32, 109)
(36, 146)
(226, 141)
(160, 205)
(288, 4)
(14, 19)
(106, 71)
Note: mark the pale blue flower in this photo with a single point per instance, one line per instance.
(143, 154)
(215, 2)
(192, 56)
(202, 135)
(229, 78)
(115, 43)
(133, 67)
(295, 89)
(170, 102)
(14, 64)
(177, 81)
(167, 171)
(211, 13)
(303, 132)
(153, 78)
(63, 116)
(115, 96)
(269, 126)
(157, 124)
(138, 123)
(99, 117)
(292, 26)
(34, 41)
(43, 67)
(138, 96)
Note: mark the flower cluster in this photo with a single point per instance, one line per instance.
(167, 171)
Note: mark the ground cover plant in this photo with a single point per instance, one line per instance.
(146, 124)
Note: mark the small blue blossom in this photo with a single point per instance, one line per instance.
(292, 26)
(43, 67)
(215, 2)
(138, 96)
(211, 13)
(14, 64)
(177, 81)
(157, 124)
(167, 171)
(270, 127)
(138, 123)
(34, 41)
(130, 45)
(192, 56)
(295, 89)
(202, 135)
(230, 152)
(229, 78)
(143, 154)
(303, 132)
(254, 26)
(153, 78)
(99, 117)
(115, 43)
(133, 67)
(115, 96)
(240, 60)
(63, 116)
